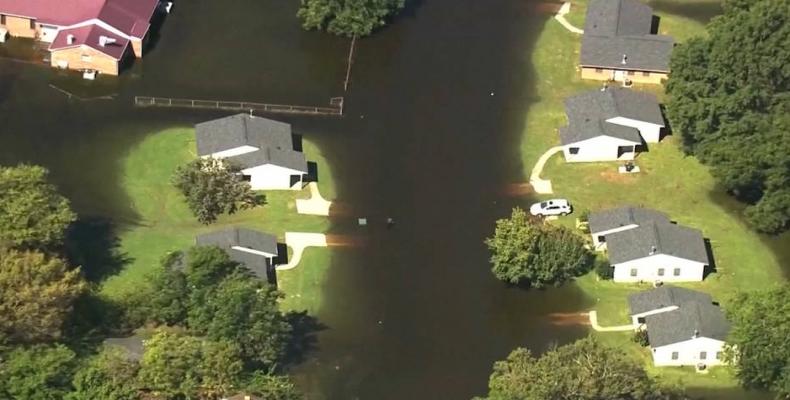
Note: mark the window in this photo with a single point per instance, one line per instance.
(602, 239)
(246, 178)
(645, 73)
(633, 271)
(661, 272)
(599, 70)
(32, 24)
(718, 355)
(631, 73)
(675, 355)
(676, 272)
(573, 150)
(2, 19)
(703, 355)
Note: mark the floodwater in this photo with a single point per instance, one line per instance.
(431, 139)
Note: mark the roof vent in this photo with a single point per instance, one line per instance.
(104, 40)
(652, 250)
(625, 59)
(70, 39)
(696, 334)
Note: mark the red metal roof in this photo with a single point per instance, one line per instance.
(90, 36)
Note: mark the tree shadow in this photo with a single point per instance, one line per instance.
(92, 244)
(93, 318)
(304, 337)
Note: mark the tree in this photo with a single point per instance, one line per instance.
(32, 213)
(348, 17)
(729, 98)
(272, 387)
(37, 294)
(181, 366)
(108, 375)
(583, 370)
(757, 343)
(40, 372)
(212, 187)
(167, 300)
(526, 251)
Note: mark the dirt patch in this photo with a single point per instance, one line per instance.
(518, 189)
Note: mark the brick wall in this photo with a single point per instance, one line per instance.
(637, 77)
(19, 27)
(84, 57)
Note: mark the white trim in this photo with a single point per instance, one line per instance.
(253, 251)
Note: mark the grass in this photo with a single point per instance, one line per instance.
(165, 224)
(671, 182)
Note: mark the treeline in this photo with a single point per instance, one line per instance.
(211, 328)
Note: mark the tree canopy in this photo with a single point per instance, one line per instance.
(37, 294)
(758, 342)
(108, 375)
(583, 370)
(40, 372)
(348, 17)
(527, 251)
(729, 99)
(32, 212)
(213, 187)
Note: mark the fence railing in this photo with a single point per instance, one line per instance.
(335, 109)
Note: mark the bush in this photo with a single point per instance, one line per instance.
(603, 269)
(640, 337)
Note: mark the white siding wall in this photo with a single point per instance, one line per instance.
(651, 133)
(647, 269)
(689, 352)
(635, 317)
(233, 152)
(271, 177)
(602, 148)
(598, 245)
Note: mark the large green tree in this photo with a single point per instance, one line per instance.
(32, 212)
(758, 342)
(108, 375)
(729, 99)
(213, 187)
(348, 17)
(37, 293)
(271, 387)
(584, 370)
(528, 251)
(39, 372)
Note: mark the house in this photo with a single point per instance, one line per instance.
(610, 124)
(618, 44)
(97, 35)
(657, 251)
(619, 219)
(263, 148)
(684, 327)
(256, 250)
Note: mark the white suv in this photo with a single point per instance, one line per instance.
(551, 207)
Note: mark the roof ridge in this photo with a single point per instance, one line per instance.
(654, 225)
(617, 20)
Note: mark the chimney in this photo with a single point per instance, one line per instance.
(104, 40)
(652, 250)
(696, 334)
(625, 59)
(70, 39)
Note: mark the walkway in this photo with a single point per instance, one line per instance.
(542, 186)
(560, 16)
(594, 322)
(315, 205)
(299, 241)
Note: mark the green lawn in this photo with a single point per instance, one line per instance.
(670, 182)
(165, 224)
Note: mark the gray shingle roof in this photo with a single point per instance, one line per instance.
(226, 239)
(658, 238)
(665, 296)
(618, 17)
(273, 139)
(587, 114)
(612, 218)
(702, 319)
(133, 345)
(643, 53)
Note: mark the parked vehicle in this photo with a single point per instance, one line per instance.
(551, 207)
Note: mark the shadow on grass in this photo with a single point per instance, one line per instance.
(304, 339)
(92, 244)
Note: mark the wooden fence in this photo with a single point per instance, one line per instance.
(335, 109)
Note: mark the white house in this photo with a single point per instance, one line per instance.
(620, 219)
(657, 251)
(684, 327)
(256, 250)
(610, 124)
(263, 148)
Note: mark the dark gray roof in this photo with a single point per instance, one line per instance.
(618, 17)
(665, 296)
(658, 238)
(643, 53)
(587, 114)
(273, 140)
(690, 320)
(132, 345)
(612, 218)
(226, 239)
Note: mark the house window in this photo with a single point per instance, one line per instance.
(718, 355)
(645, 73)
(246, 178)
(2, 19)
(633, 271)
(661, 272)
(601, 239)
(599, 70)
(676, 272)
(703, 355)
(631, 73)
(32, 24)
(675, 355)
(573, 150)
